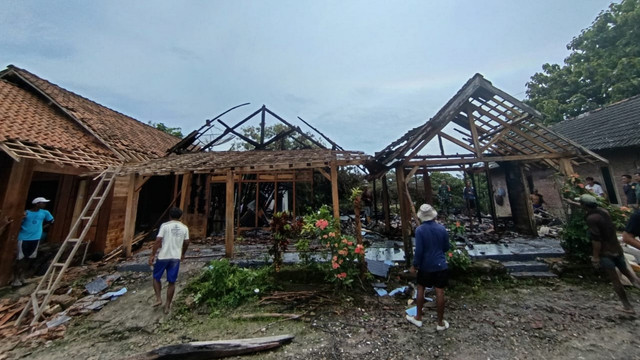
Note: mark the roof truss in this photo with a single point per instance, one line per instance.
(488, 123)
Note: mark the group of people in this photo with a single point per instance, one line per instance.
(169, 247)
(468, 197)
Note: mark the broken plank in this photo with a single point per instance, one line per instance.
(214, 349)
(266, 315)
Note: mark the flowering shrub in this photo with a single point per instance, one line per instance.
(575, 238)
(343, 249)
(456, 228)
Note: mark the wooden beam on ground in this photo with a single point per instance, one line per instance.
(214, 349)
(229, 211)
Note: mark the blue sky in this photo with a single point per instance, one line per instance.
(362, 72)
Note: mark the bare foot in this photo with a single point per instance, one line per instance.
(157, 303)
(166, 309)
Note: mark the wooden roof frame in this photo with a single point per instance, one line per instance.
(492, 126)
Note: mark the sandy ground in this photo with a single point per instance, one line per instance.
(569, 318)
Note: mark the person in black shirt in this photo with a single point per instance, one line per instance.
(607, 252)
(629, 190)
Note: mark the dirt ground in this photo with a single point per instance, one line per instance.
(569, 318)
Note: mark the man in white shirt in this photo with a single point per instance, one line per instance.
(593, 187)
(172, 241)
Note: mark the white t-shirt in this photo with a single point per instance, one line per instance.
(596, 189)
(173, 234)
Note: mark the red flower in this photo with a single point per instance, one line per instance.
(450, 254)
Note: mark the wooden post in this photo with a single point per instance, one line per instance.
(521, 208)
(130, 214)
(428, 191)
(565, 167)
(492, 205)
(385, 204)
(405, 218)
(185, 192)
(18, 180)
(334, 192)
(229, 211)
(80, 201)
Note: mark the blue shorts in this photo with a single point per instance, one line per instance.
(171, 265)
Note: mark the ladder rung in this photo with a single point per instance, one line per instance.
(85, 217)
(58, 264)
(96, 198)
(43, 292)
(73, 240)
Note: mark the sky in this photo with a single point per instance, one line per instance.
(362, 72)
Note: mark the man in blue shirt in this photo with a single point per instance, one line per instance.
(432, 241)
(31, 231)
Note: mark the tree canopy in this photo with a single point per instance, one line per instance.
(603, 67)
(175, 131)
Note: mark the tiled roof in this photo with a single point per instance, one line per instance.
(613, 126)
(130, 138)
(26, 119)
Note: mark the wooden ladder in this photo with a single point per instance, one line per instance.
(49, 282)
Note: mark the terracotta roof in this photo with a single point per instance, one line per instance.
(612, 126)
(133, 140)
(31, 128)
(245, 161)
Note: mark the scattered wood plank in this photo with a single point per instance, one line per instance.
(265, 315)
(214, 349)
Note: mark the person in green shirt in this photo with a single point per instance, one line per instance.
(444, 195)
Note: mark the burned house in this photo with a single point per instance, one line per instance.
(53, 142)
(483, 131)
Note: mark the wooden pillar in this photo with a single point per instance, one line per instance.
(565, 167)
(492, 205)
(521, 208)
(79, 203)
(185, 191)
(385, 204)
(16, 182)
(375, 200)
(428, 191)
(229, 211)
(131, 211)
(405, 218)
(334, 192)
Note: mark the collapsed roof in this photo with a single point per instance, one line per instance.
(488, 123)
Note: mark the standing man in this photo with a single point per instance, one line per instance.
(636, 184)
(607, 252)
(629, 190)
(593, 186)
(173, 241)
(469, 197)
(444, 195)
(31, 232)
(432, 241)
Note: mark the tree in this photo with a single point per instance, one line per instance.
(175, 131)
(284, 143)
(603, 67)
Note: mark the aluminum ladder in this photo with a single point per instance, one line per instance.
(51, 279)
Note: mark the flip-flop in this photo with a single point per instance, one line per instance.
(413, 320)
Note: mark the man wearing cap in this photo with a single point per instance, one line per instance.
(607, 252)
(31, 231)
(432, 241)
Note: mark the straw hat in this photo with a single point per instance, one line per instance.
(426, 212)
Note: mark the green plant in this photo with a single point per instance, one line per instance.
(456, 228)
(457, 259)
(575, 236)
(284, 227)
(223, 285)
(343, 249)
